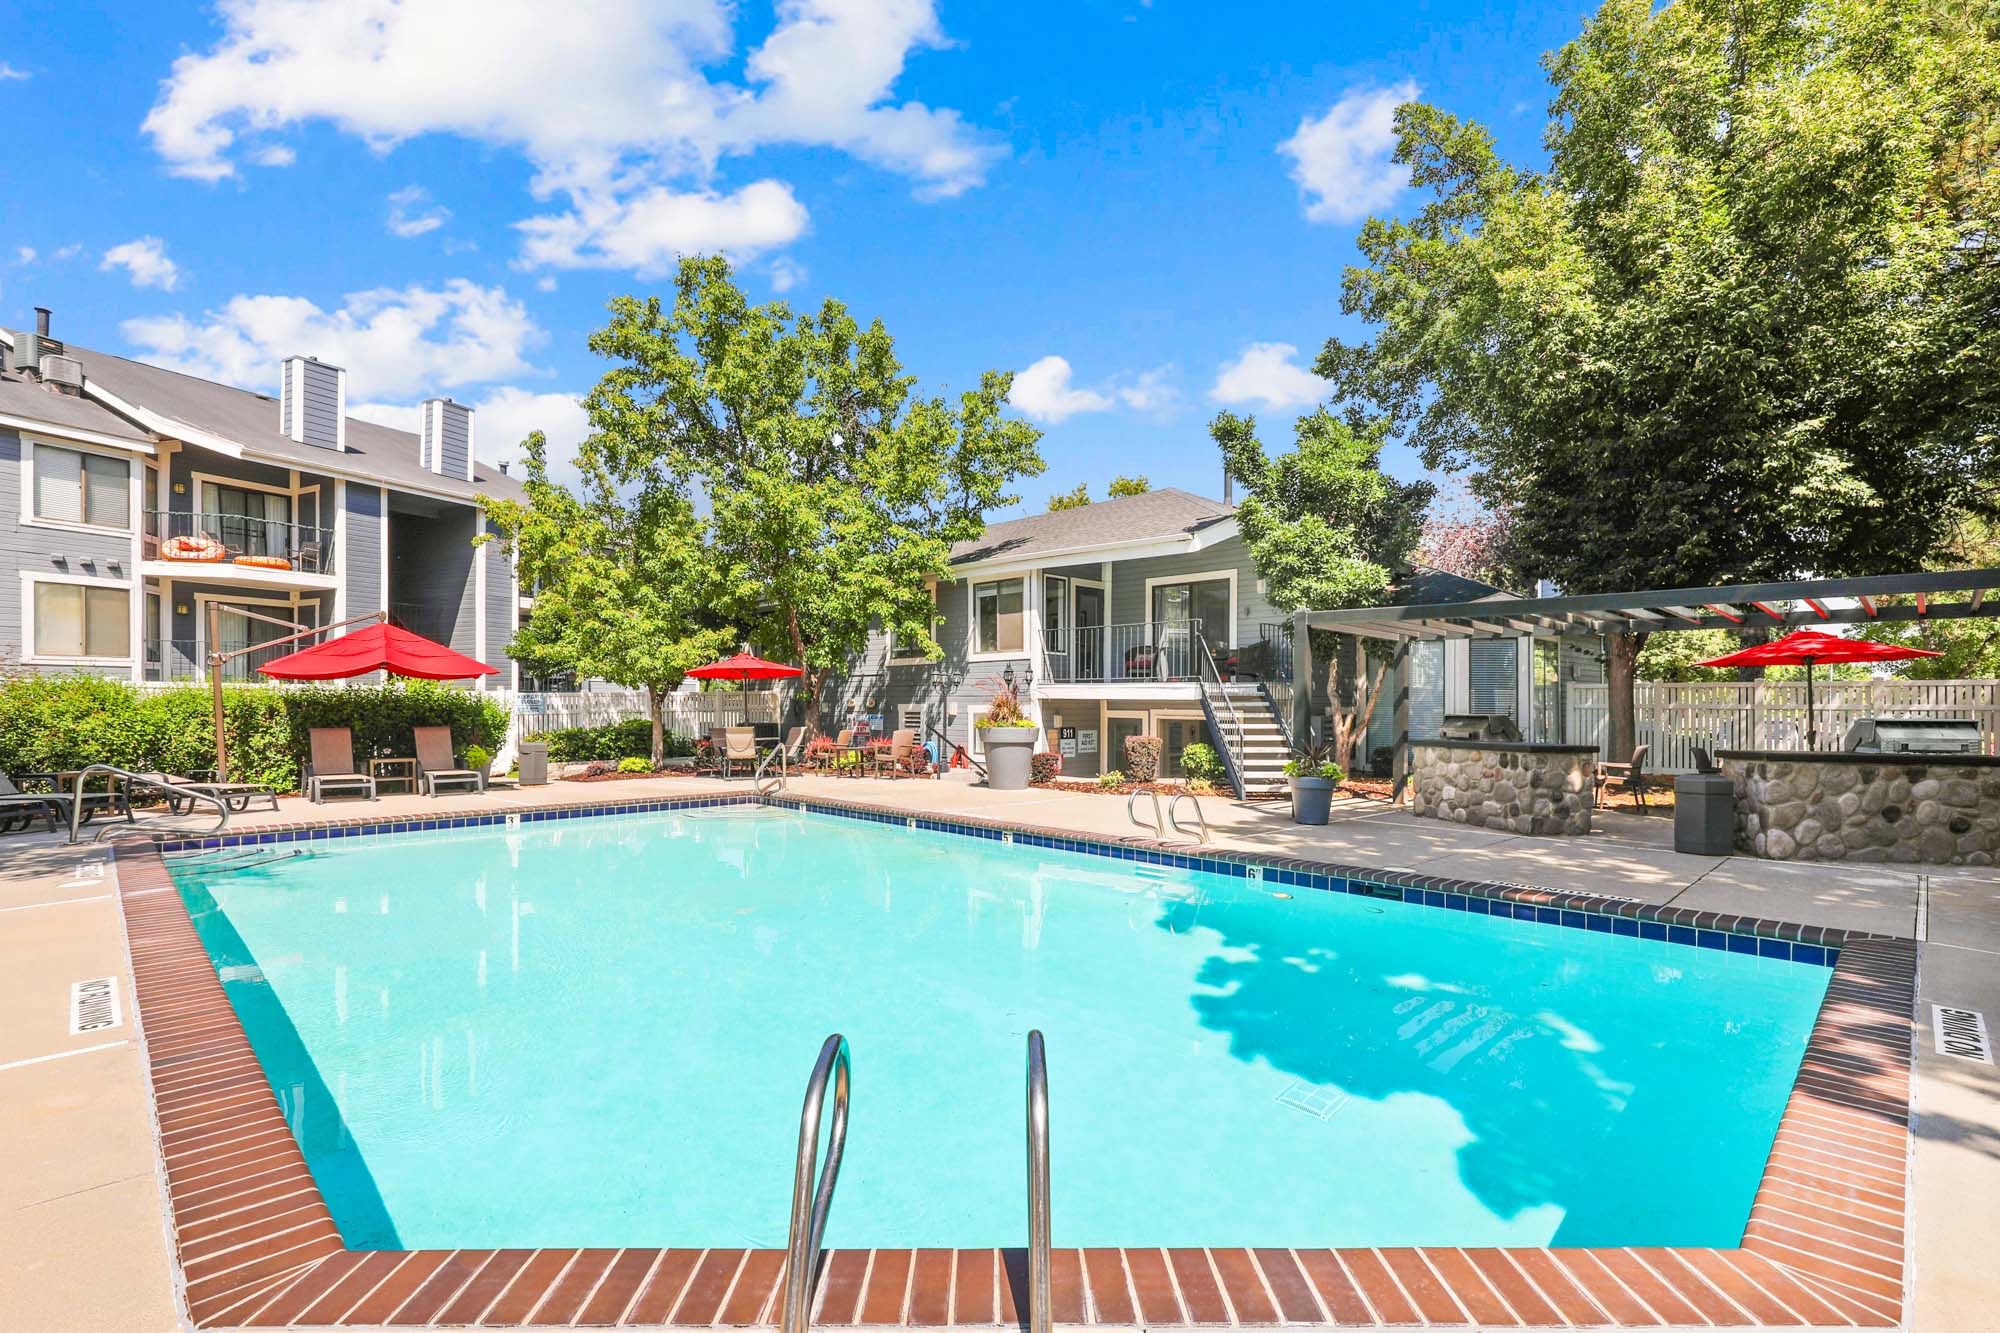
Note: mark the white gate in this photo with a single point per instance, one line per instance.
(1673, 717)
(686, 714)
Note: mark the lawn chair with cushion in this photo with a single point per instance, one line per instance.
(1627, 777)
(435, 763)
(332, 768)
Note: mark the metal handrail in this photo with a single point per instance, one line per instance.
(1233, 760)
(138, 779)
(758, 778)
(1158, 825)
(1038, 1186)
(1199, 818)
(809, 1206)
(945, 747)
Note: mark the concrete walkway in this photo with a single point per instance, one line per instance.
(82, 1225)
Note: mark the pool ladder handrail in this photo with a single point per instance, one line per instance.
(1168, 818)
(131, 780)
(762, 776)
(810, 1206)
(1038, 1186)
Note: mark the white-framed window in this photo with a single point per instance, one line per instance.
(999, 627)
(1055, 612)
(79, 488)
(79, 620)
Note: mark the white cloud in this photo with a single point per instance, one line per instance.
(411, 212)
(786, 274)
(416, 340)
(1341, 159)
(647, 231)
(25, 255)
(145, 261)
(8, 71)
(274, 155)
(1043, 391)
(68, 252)
(1152, 391)
(546, 283)
(614, 106)
(1265, 375)
(503, 418)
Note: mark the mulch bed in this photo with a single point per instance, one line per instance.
(627, 777)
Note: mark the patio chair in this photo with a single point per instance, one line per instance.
(115, 801)
(737, 746)
(20, 810)
(894, 758)
(435, 763)
(1628, 777)
(238, 795)
(1704, 762)
(795, 746)
(332, 767)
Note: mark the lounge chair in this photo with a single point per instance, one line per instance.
(900, 758)
(1628, 777)
(238, 795)
(20, 810)
(734, 746)
(435, 763)
(115, 801)
(333, 768)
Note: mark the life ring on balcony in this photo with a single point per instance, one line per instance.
(204, 549)
(264, 561)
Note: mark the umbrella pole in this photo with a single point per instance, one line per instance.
(215, 690)
(1812, 733)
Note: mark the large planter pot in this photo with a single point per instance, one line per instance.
(1008, 752)
(1312, 800)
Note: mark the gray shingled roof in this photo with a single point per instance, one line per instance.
(22, 397)
(251, 420)
(1156, 514)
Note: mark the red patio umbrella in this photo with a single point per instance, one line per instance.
(1809, 646)
(745, 667)
(379, 647)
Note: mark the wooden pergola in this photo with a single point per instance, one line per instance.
(1873, 599)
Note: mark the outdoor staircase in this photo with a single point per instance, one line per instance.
(1256, 758)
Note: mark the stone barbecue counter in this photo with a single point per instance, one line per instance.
(1943, 809)
(1510, 785)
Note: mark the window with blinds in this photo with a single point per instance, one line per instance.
(1494, 670)
(75, 487)
(75, 620)
(1426, 689)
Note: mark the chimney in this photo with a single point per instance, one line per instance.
(445, 443)
(1228, 487)
(42, 320)
(312, 402)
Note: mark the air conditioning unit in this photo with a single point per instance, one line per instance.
(63, 371)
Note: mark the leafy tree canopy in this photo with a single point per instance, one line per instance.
(1324, 525)
(1071, 499)
(1121, 487)
(834, 493)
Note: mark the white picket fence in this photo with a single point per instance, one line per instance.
(1673, 718)
(687, 714)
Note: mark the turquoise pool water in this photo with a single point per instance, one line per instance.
(597, 1032)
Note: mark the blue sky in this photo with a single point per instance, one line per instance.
(441, 194)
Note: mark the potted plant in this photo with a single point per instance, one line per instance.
(479, 759)
(1314, 775)
(1009, 736)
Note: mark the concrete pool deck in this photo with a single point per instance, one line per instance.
(82, 1216)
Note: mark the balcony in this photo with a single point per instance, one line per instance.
(1159, 652)
(181, 660)
(233, 548)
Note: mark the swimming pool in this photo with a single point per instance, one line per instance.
(596, 1032)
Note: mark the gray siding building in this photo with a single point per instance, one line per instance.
(135, 499)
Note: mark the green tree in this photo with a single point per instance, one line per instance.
(1970, 646)
(1740, 328)
(834, 493)
(1071, 499)
(1121, 487)
(1324, 525)
(625, 587)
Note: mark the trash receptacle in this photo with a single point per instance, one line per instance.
(534, 763)
(1704, 814)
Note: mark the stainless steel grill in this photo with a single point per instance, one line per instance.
(1478, 727)
(1912, 735)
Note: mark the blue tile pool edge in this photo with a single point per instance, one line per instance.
(1784, 941)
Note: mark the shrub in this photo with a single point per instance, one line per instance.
(1201, 765)
(635, 764)
(1112, 779)
(1142, 757)
(632, 738)
(1005, 708)
(1043, 767)
(477, 756)
(57, 722)
(598, 768)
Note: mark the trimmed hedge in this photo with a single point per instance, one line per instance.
(61, 722)
(630, 739)
(1044, 767)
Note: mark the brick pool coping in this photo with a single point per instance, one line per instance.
(1824, 1245)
